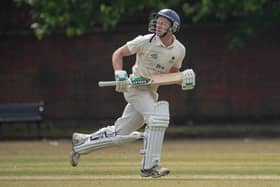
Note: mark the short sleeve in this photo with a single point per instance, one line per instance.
(136, 44)
(179, 62)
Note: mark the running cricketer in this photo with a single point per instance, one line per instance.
(156, 53)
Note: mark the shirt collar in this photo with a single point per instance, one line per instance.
(158, 42)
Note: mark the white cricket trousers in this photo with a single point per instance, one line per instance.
(140, 104)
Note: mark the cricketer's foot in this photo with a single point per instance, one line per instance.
(74, 158)
(155, 172)
(77, 139)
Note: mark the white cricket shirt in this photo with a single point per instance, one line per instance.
(153, 57)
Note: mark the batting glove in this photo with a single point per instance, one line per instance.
(122, 82)
(188, 77)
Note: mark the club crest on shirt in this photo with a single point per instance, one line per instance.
(172, 60)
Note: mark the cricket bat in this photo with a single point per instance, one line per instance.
(157, 79)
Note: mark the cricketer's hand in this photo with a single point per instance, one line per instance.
(188, 77)
(121, 78)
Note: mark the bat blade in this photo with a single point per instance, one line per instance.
(156, 79)
(166, 79)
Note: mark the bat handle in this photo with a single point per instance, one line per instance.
(106, 83)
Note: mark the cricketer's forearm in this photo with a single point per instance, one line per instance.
(117, 57)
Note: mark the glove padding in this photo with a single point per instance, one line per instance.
(188, 79)
(122, 82)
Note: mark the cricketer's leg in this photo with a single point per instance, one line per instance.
(122, 132)
(140, 103)
(153, 139)
(156, 115)
(101, 139)
(85, 143)
(131, 120)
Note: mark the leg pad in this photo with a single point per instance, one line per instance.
(94, 144)
(154, 135)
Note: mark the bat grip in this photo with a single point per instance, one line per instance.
(106, 83)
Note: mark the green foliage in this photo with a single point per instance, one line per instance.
(250, 15)
(74, 17)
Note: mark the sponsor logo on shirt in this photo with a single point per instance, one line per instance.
(154, 56)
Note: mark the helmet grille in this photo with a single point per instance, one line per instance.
(152, 25)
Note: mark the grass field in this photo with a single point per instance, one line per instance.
(193, 163)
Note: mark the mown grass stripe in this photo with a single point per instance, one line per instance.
(136, 177)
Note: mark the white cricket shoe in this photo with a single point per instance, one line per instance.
(77, 139)
(74, 158)
(155, 172)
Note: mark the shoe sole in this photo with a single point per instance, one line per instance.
(155, 176)
(72, 160)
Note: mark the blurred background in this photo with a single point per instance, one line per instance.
(54, 53)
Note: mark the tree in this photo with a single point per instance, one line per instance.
(77, 16)
(250, 15)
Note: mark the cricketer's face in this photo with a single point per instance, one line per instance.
(162, 26)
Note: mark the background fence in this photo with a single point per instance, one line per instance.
(232, 84)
